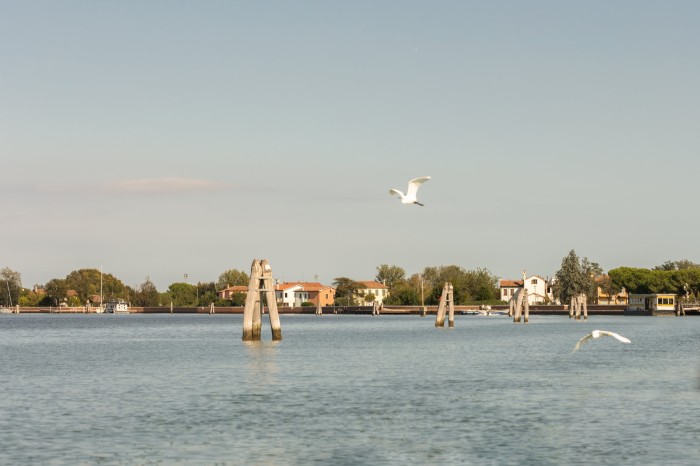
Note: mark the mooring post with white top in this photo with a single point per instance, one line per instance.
(526, 305)
(440, 316)
(261, 285)
(519, 305)
(319, 309)
(451, 306)
(571, 308)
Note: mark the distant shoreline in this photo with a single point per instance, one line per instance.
(330, 310)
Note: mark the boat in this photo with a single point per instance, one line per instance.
(116, 306)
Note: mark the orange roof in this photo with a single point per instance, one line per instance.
(373, 285)
(306, 286)
(510, 283)
(236, 288)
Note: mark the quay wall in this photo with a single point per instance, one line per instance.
(352, 310)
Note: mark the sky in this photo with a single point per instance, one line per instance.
(175, 140)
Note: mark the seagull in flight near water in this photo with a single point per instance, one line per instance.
(598, 334)
(410, 196)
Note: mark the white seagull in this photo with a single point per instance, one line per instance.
(410, 196)
(598, 334)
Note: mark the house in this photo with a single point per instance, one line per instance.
(229, 291)
(293, 294)
(650, 304)
(286, 293)
(379, 290)
(539, 289)
(508, 288)
(602, 297)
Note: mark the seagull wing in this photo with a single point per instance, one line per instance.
(616, 336)
(582, 341)
(414, 184)
(395, 191)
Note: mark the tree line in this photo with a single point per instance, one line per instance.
(576, 275)
(90, 285)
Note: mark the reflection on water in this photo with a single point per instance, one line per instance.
(261, 363)
(347, 390)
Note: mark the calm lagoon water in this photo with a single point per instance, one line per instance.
(184, 389)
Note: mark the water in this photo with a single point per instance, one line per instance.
(184, 389)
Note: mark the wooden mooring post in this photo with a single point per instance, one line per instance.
(521, 306)
(261, 285)
(580, 306)
(319, 309)
(446, 305)
(680, 311)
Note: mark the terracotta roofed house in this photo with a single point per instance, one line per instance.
(379, 290)
(229, 291)
(293, 294)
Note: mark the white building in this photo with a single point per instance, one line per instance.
(539, 289)
(379, 290)
(117, 306)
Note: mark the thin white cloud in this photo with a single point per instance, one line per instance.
(164, 185)
(139, 186)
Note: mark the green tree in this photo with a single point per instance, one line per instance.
(347, 290)
(11, 286)
(56, 290)
(369, 298)
(238, 299)
(468, 285)
(206, 293)
(390, 275)
(232, 277)
(86, 283)
(575, 277)
(147, 295)
(404, 293)
(182, 294)
(683, 264)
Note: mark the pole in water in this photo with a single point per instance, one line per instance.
(526, 304)
(440, 316)
(261, 287)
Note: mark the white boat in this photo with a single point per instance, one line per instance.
(117, 306)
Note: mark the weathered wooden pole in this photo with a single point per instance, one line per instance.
(584, 303)
(451, 306)
(571, 307)
(424, 311)
(250, 302)
(440, 316)
(319, 309)
(261, 285)
(171, 307)
(211, 308)
(518, 306)
(511, 306)
(269, 287)
(526, 304)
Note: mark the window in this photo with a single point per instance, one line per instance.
(533, 281)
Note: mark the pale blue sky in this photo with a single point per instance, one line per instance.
(163, 138)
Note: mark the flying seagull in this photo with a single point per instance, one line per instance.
(410, 196)
(598, 334)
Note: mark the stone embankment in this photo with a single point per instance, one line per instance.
(357, 310)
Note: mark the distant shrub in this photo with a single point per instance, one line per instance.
(307, 304)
